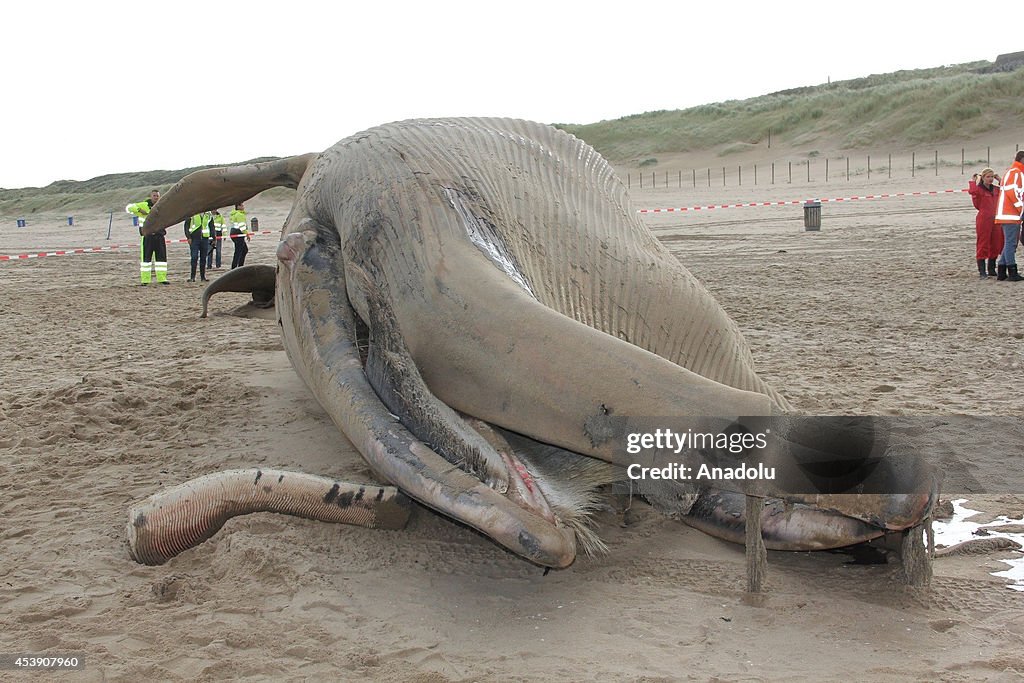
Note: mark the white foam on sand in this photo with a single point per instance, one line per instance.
(959, 529)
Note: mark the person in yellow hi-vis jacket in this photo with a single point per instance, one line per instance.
(216, 242)
(153, 250)
(198, 231)
(239, 235)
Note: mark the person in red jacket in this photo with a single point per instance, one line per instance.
(1008, 216)
(989, 237)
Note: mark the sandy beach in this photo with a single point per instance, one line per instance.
(113, 391)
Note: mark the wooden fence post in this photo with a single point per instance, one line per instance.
(937, 161)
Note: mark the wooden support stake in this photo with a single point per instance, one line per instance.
(915, 560)
(757, 555)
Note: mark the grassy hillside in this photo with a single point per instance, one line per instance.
(107, 191)
(924, 106)
(904, 108)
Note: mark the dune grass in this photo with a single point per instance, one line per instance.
(924, 106)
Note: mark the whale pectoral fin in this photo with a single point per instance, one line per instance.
(213, 188)
(258, 280)
(533, 370)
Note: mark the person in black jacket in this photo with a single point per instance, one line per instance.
(239, 236)
(198, 231)
(216, 241)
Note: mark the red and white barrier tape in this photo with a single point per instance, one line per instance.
(890, 195)
(798, 201)
(89, 250)
(63, 252)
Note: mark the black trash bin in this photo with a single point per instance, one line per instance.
(255, 222)
(812, 215)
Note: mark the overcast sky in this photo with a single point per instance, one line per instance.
(109, 87)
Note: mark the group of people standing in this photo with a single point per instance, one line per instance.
(205, 235)
(997, 226)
